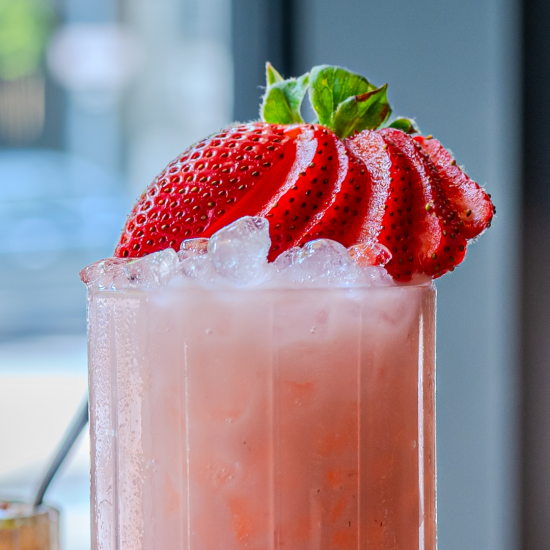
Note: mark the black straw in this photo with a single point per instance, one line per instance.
(78, 425)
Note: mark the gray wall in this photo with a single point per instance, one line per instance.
(453, 65)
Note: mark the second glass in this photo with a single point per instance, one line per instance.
(23, 527)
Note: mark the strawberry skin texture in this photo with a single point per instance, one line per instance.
(371, 150)
(309, 190)
(372, 173)
(473, 206)
(202, 185)
(375, 187)
(344, 212)
(292, 202)
(420, 227)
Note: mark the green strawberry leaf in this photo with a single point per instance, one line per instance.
(283, 98)
(330, 86)
(366, 111)
(404, 124)
(272, 75)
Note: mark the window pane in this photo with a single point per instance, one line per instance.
(102, 97)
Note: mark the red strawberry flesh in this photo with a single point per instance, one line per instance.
(345, 207)
(374, 163)
(472, 204)
(303, 199)
(375, 188)
(204, 184)
(418, 228)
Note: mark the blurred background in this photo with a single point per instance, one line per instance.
(97, 96)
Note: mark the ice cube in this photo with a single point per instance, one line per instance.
(239, 251)
(319, 263)
(195, 262)
(366, 255)
(106, 274)
(199, 268)
(287, 258)
(193, 247)
(153, 270)
(377, 275)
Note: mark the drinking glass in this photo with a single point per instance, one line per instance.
(263, 418)
(23, 527)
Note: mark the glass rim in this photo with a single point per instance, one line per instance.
(23, 510)
(228, 288)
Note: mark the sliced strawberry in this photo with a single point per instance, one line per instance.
(343, 211)
(373, 165)
(205, 183)
(378, 190)
(473, 206)
(452, 247)
(356, 210)
(419, 228)
(255, 200)
(315, 178)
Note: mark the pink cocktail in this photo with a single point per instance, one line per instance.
(262, 345)
(263, 418)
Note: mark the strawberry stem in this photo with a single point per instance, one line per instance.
(343, 101)
(283, 98)
(404, 124)
(361, 112)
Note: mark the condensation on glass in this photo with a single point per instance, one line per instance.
(247, 419)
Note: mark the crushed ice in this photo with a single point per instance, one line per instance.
(237, 256)
(319, 263)
(153, 270)
(191, 248)
(239, 250)
(106, 274)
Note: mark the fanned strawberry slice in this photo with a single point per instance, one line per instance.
(320, 168)
(344, 211)
(205, 183)
(356, 210)
(418, 228)
(473, 206)
(254, 201)
(376, 190)
(288, 201)
(294, 201)
(371, 162)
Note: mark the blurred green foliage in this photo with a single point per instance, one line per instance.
(25, 26)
